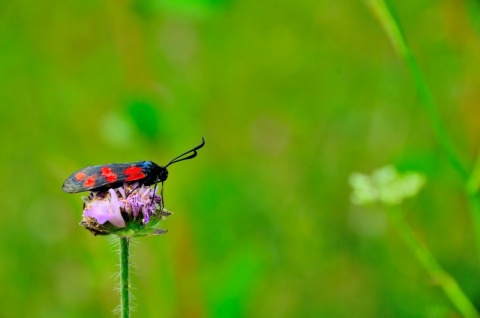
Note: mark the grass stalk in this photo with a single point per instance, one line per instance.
(471, 181)
(430, 264)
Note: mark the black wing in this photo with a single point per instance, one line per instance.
(103, 177)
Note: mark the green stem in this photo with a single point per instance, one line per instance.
(474, 202)
(124, 284)
(430, 264)
(435, 118)
(471, 180)
(474, 182)
(401, 46)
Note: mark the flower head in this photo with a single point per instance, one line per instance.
(385, 185)
(131, 210)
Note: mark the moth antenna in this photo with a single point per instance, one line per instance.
(193, 155)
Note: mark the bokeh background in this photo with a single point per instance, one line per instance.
(292, 97)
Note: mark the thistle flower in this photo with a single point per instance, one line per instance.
(131, 210)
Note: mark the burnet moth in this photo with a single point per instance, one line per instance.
(103, 177)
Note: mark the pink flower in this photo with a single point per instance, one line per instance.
(106, 210)
(126, 211)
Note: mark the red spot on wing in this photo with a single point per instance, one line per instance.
(89, 182)
(80, 176)
(133, 173)
(108, 174)
(133, 170)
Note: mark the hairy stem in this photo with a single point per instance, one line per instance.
(124, 283)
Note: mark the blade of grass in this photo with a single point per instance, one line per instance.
(474, 180)
(473, 10)
(471, 183)
(383, 13)
(434, 269)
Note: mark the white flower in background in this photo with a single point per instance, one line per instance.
(385, 185)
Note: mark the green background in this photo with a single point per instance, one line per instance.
(291, 97)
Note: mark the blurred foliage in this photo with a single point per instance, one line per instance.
(291, 97)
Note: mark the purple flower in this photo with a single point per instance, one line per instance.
(106, 210)
(129, 208)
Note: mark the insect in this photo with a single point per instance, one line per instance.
(103, 177)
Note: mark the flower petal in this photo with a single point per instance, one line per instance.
(106, 211)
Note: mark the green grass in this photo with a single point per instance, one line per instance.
(291, 97)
